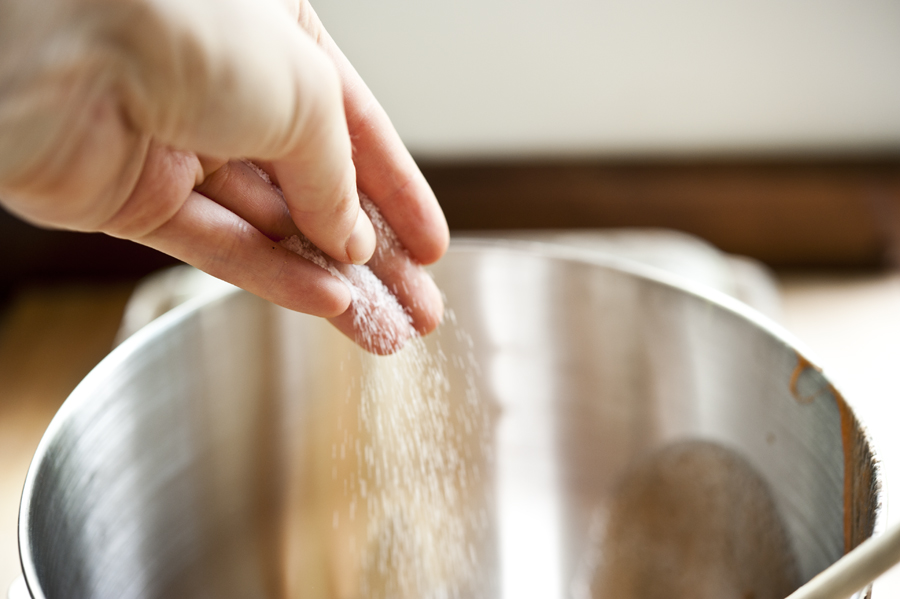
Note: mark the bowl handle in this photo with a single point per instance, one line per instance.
(18, 589)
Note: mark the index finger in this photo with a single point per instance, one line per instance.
(385, 170)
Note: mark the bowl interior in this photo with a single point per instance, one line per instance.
(586, 426)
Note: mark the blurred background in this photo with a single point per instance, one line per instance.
(770, 129)
(613, 78)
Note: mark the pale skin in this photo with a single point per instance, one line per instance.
(170, 173)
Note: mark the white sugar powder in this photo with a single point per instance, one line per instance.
(423, 528)
(379, 319)
(419, 448)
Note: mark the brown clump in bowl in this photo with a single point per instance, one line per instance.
(694, 520)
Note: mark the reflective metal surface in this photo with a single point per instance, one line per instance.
(636, 430)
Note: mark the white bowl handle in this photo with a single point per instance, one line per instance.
(18, 589)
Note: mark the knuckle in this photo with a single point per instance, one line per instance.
(162, 188)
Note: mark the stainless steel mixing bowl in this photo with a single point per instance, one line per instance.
(621, 404)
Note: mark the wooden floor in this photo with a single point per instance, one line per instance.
(50, 338)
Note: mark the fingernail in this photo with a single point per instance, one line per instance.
(361, 244)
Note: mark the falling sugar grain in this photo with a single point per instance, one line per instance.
(419, 447)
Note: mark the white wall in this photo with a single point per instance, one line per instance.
(466, 78)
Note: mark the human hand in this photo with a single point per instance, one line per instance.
(131, 117)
